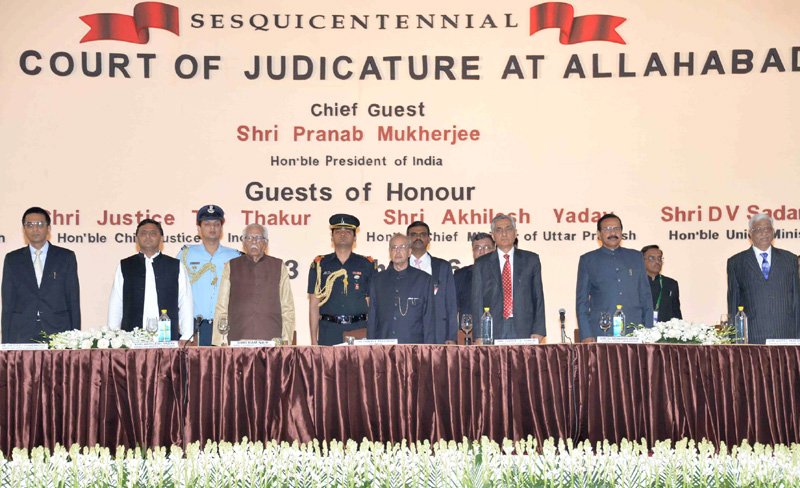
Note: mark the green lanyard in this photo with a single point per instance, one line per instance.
(660, 291)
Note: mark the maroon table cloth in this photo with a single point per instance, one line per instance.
(389, 393)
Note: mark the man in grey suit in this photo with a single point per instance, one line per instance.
(41, 293)
(609, 276)
(509, 282)
(764, 280)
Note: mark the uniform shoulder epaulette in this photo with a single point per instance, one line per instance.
(317, 260)
(182, 254)
(372, 261)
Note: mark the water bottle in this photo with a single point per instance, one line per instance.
(740, 322)
(164, 327)
(618, 322)
(487, 327)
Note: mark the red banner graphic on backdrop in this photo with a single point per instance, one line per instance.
(575, 29)
(121, 27)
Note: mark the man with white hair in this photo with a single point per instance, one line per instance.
(764, 280)
(255, 294)
(509, 282)
(401, 299)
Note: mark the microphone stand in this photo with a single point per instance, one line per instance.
(184, 357)
(573, 360)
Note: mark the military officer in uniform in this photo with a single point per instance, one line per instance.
(204, 263)
(338, 286)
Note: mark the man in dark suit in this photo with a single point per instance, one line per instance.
(666, 300)
(401, 299)
(764, 280)
(509, 282)
(482, 243)
(41, 293)
(444, 288)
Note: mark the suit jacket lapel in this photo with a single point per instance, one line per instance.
(49, 264)
(498, 277)
(754, 264)
(519, 262)
(27, 267)
(778, 263)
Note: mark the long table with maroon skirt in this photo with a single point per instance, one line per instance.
(161, 397)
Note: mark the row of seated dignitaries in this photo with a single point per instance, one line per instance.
(416, 299)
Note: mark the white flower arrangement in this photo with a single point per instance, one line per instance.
(678, 331)
(467, 463)
(98, 339)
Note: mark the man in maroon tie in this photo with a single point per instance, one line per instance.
(509, 282)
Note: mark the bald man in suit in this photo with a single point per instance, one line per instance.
(764, 280)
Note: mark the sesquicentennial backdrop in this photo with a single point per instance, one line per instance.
(681, 117)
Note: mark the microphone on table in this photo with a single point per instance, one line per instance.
(561, 317)
(196, 330)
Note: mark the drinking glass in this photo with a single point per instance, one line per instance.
(223, 327)
(724, 322)
(466, 327)
(151, 326)
(605, 322)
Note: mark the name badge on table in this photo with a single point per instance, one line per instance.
(516, 342)
(619, 340)
(23, 347)
(252, 343)
(375, 342)
(783, 342)
(155, 345)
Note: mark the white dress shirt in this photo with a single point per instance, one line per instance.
(760, 259)
(150, 310)
(502, 254)
(423, 263)
(42, 258)
(43, 255)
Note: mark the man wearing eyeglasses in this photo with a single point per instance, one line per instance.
(764, 280)
(509, 282)
(666, 299)
(40, 287)
(609, 276)
(482, 243)
(255, 295)
(148, 282)
(444, 288)
(401, 299)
